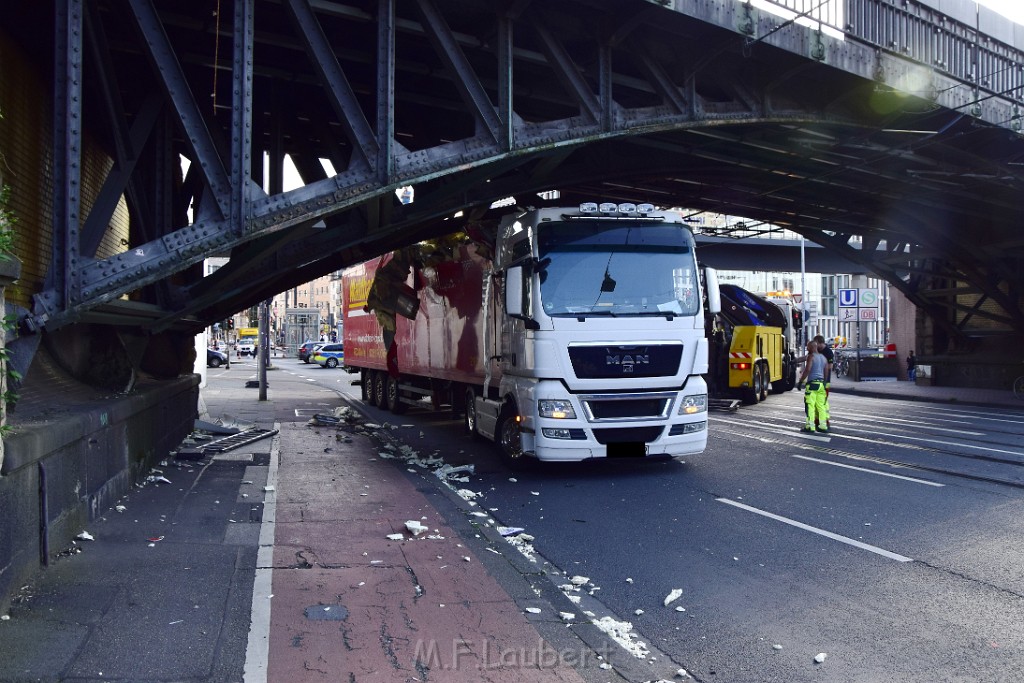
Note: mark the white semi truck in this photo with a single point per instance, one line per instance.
(565, 334)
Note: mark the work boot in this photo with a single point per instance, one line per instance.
(809, 429)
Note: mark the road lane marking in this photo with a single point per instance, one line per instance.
(821, 532)
(864, 469)
(257, 650)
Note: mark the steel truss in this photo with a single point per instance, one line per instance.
(706, 105)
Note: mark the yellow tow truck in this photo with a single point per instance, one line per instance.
(753, 347)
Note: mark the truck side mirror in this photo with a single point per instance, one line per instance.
(514, 291)
(517, 296)
(712, 290)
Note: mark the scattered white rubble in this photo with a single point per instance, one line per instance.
(396, 537)
(567, 616)
(85, 536)
(682, 673)
(579, 580)
(621, 632)
(120, 508)
(820, 657)
(776, 646)
(467, 558)
(415, 528)
(510, 530)
(638, 612)
(533, 610)
(605, 665)
(674, 595)
(629, 579)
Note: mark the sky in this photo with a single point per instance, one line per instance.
(1014, 9)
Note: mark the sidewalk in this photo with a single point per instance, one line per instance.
(994, 398)
(291, 533)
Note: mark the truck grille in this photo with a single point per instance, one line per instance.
(602, 361)
(626, 406)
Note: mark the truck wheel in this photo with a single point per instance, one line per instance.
(332, 362)
(470, 413)
(394, 396)
(380, 381)
(510, 439)
(365, 381)
(763, 369)
(752, 394)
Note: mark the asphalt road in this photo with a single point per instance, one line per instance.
(892, 547)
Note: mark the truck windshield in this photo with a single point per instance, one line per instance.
(613, 268)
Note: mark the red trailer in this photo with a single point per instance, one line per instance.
(436, 351)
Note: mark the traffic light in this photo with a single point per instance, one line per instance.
(229, 324)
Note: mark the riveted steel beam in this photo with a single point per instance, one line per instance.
(179, 93)
(466, 80)
(241, 119)
(62, 279)
(336, 86)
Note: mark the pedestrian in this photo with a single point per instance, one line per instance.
(824, 350)
(912, 366)
(812, 380)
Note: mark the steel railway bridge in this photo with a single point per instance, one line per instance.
(140, 137)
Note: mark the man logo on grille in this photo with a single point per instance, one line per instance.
(627, 362)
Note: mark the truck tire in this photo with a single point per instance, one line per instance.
(379, 381)
(393, 396)
(470, 413)
(365, 382)
(752, 395)
(765, 375)
(510, 439)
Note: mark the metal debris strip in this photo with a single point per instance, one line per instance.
(236, 440)
(727, 404)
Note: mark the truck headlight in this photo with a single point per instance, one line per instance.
(697, 403)
(556, 408)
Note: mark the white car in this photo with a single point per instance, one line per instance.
(245, 348)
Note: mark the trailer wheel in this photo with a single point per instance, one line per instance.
(394, 396)
(365, 388)
(510, 439)
(379, 389)
(470, 412)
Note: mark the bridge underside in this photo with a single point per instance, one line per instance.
(697, 103)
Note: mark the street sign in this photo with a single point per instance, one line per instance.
(868, 314)
(847, 315)
(847, 298)
(797, 298)
(868, 298)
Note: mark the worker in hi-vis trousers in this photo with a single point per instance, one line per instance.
(813, 377)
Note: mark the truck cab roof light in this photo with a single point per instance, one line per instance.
(644, 208)
(609, 207)
(627, 207)
(588, 207)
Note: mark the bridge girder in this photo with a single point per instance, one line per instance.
(702, 104)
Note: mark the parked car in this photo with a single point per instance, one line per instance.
(307, 349)
(329, 355)
(215, 358)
